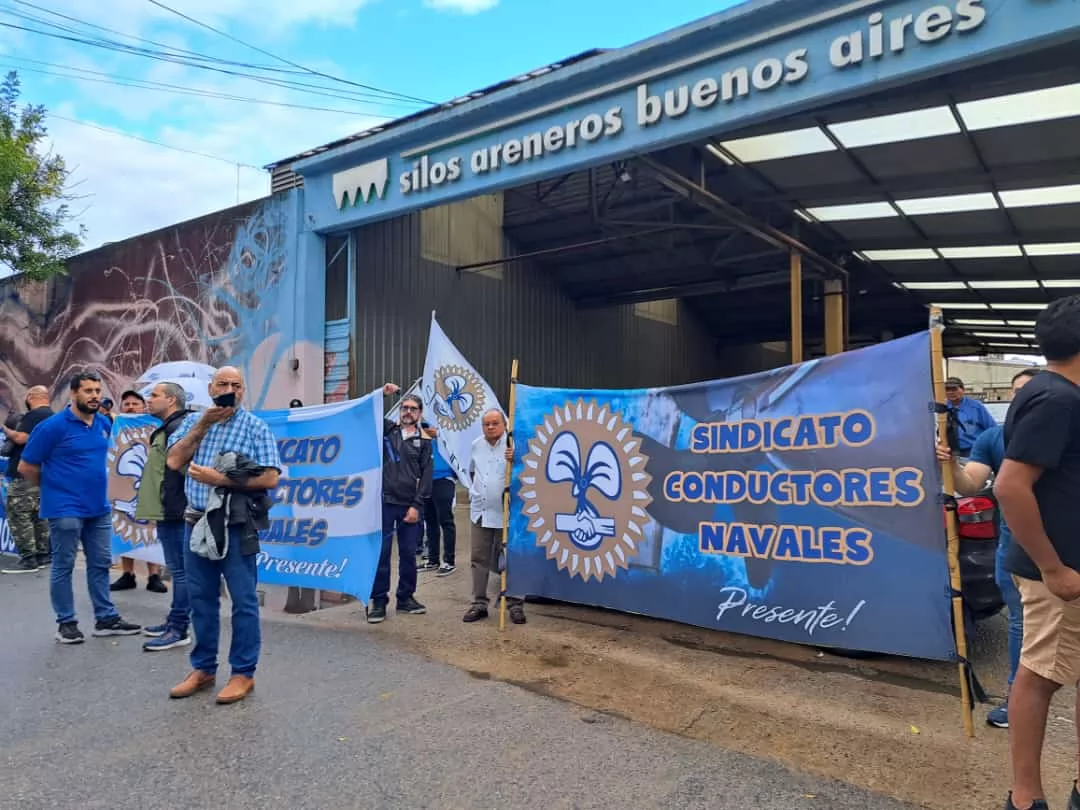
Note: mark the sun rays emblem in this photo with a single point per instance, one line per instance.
(585, 490)
(459, 397)
(127, 459)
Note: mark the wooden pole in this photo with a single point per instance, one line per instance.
(835, 306)
(937, 366)
(506, 496)
(796, 308)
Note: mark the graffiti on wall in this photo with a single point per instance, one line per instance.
(221, 290)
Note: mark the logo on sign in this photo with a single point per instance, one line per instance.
(585, 490)
(459, 397)
(126, 461)
(367, 183)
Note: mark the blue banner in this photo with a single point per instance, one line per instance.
(7, 542)
(799, 504)
(326, 524)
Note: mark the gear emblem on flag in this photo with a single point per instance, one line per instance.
(585, 490)
(126, 460)
(459, 397)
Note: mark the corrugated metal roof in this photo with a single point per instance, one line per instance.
(507, 84)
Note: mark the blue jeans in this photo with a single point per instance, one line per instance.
(1011, 594)
(95, 534)
(408, 535)
(172, 534)
(204, 592)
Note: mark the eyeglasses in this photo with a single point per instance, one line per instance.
(410, 408)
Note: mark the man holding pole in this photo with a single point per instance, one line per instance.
(487, 473)
(1037, 490)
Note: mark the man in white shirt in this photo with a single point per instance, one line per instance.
(487, 472)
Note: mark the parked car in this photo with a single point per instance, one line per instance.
(977, 524)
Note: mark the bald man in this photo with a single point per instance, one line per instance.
(196, 446)
(24, 499)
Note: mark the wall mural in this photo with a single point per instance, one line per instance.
(223, 289)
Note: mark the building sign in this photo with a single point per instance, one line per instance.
(724, 88)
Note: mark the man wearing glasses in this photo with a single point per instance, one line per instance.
(407, 462)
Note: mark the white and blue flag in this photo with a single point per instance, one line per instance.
(455, 400)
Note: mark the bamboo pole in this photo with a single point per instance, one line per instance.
(506, 496)
(937, 365)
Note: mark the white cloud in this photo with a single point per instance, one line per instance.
(131, 187)
(128, 186)
(462, 6)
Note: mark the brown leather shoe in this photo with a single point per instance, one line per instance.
(238, 688)
(195, 682)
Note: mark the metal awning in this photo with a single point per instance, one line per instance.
(963, 192)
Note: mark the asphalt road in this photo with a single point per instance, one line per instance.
(339, 719)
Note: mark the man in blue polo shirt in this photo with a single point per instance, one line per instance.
(972, 417)
(66, 456)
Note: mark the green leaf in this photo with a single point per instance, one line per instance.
(35, 237)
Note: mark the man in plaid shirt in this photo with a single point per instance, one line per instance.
(196, 445)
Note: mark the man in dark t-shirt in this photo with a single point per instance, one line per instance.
(30, 532)
(1038, 489)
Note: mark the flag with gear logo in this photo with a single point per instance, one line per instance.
(455, 399)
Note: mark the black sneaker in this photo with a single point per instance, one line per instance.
(446, 569)
(25, 565)
(155, 585)
(1074, 799)
(428, 565)
(376, 614)
(125, 582)
(411, 606)
(517, 613)
(115, 627)
(44, 560)
(69, 633)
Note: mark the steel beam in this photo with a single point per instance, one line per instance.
(730, 213)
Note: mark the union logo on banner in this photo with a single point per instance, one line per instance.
(459, 397)
(585, 490)
(126, 461)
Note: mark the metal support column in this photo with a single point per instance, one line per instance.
(796, 308)
(835, 316)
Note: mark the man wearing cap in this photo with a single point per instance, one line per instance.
(969, 415)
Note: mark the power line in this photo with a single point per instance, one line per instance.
(199, 63)
(282, 59)
(184, 51)
(150, 84)
(152, 142)
(163, 87)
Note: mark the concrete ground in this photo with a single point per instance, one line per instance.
(346, 715)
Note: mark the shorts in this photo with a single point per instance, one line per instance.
(1051, 646)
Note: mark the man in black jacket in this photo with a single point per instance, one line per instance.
(162, 499)
(407, 461)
